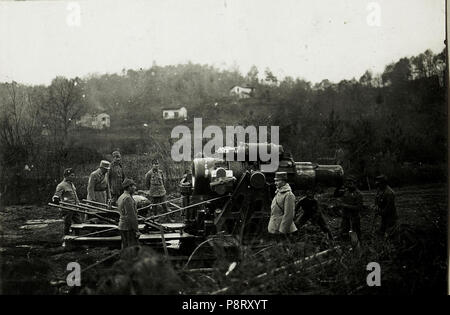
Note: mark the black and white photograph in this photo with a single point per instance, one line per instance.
(224, 152)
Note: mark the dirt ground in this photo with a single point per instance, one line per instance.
(34, 262)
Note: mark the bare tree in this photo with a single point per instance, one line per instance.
(19, 114)
(64, 105)
(19, 133)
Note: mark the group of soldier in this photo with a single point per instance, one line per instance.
(285, 219)
(109, 185)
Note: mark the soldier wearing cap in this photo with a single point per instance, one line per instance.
(312, 212)
(154, 182)
(116, 176)
(66, 191)
(282, 208)
(98, 187)
(128, 222)
(351, 204)
(385, 204)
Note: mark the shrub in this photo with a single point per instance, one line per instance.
(140, 270)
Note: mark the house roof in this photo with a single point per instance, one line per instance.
(95, 114)
(166, 108)
(242, 86)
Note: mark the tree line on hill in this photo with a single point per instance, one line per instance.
(377, 123)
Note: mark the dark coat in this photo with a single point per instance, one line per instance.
(385, 202)
(128, 213)
(116, 177)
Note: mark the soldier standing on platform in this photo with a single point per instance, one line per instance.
(116, 176)
(98, 187)
(128, 222)
(154, 182)
(66, 192)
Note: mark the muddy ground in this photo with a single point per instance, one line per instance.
(34, 262)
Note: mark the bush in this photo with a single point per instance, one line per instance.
(81, 155)
(140, 270)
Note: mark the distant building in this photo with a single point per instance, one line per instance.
(95, 121)
(242, 91)
(45, 131)
(170, 113)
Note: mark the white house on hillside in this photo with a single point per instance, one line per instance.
(171, 113)
(95, 121)
(242, 91)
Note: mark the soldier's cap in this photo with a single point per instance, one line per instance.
(105, 164)
(350, 178)
(281, 176)
(127, 183)
(116, 153)
(68, 171)
(381, 179)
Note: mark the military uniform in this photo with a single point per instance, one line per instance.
(282, 212)
(116, 176)
(385, 202)
(97, 189)
(128, 222)
(154, 181)
(311, 211)
(352, 203)
(66, 191)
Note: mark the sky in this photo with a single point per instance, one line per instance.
(312, 40)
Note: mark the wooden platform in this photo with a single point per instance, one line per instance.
(176, 225)
(143, 237)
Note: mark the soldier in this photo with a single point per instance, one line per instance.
(186, 186)
(67, 192)
(115, 177)
(385, 204)
(312, 212)
(98, 188)
(281, 221)
(351, 205)
(154, 181)
(128, 222)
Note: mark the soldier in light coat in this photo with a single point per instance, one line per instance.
(282, 209)
(98, 187)
(66, 192)
(128, 222)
